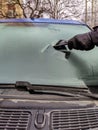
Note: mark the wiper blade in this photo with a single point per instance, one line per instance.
(63, 91)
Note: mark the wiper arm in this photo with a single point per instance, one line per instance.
(63, 91)
(47, 89)
(26, 86)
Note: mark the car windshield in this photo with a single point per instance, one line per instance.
(27, 54)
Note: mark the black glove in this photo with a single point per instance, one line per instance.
(81, 42)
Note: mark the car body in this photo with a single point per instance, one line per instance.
(42, 87)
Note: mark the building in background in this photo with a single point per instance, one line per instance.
(10, 9)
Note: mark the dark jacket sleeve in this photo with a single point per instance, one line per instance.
(94, 35)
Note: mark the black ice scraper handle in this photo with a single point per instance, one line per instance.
(62, 46)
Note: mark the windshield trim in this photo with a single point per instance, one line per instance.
(42, 20)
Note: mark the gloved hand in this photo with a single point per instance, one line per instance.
(81, 42)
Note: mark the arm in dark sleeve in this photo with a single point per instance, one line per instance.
(85, 41)
(94, 36)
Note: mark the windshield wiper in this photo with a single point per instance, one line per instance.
(56, 90)
(69, 91)
(40, 89)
